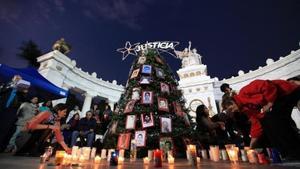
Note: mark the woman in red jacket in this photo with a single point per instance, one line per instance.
(268, 104)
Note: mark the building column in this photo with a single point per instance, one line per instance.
(111, 104)
(86, 104)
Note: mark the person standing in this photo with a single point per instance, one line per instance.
(11, 97)
(26, 111)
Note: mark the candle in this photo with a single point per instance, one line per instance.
(252, 156)
(157, 158)
(121, 160)
(97, 159)
(198, 160)
(204, 154)
(171, 160)
(59, 157)
(215, 153)
(193, 153)
(86, 152)
(75, 149)
(93, 152)
(150, 154)
(146, 160)
(188, 155)
(81, 159)
(244, 156)
(74, 158)
(224, 155)
(103, 153)
(233, 154)
(121, 153)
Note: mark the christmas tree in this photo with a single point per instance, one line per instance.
(151, 110)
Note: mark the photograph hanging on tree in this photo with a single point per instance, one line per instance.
(142, 60)
(140, 138)
(177, 109)
(164, 88)
(145, 80)
(129, 106)
(159, 73)
(130, 122)
(147, 69)
(166, 145)
(165, 125)
(136, 93)
(123, 141)
(135, 73)
(147, 97)
(163, 104)
(147, 120)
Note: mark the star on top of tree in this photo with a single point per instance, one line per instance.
(128, 50)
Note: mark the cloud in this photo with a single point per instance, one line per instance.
(39, 11)
(125, 12)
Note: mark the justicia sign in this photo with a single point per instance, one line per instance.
(162, 46)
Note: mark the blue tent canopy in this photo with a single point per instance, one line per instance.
(40, 86)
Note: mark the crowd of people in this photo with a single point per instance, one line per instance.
(259, 116)
(35, 126)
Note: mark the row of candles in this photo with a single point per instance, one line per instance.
(232, 152)
(81, 155)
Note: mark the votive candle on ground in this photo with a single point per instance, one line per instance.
(146, 160)
(252, 156)
(204, 154)
(171, 160)
(103, 153)
(59, 157)
(233, 154)
(93, 152)
(121, 160)
(121, 153)
(198, 160)
(97, 159)
(150, 154)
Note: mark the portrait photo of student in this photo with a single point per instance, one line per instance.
(145, 80)
(177, 109)
(123, 141)
(147, 120)
(136, 93)
(147, 97)
(140, 138)
(164, 88)
(142, 60)
(129, 106)
(147, 69)
(166, 145)
(135, 73)
(130, 122)
(163, 104)
(159, 73)
(165, 125)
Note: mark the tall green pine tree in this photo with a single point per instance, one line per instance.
(181, 121)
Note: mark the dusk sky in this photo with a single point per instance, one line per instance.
(229, 35)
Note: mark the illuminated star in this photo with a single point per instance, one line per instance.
(128, 50)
